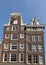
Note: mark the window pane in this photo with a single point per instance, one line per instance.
(34, 47)
(13, 57)
(40, 59)
(13, 46)
(29, 47)
(40, 47)
(29, 58)
(35, 59)
(5, 45)
(21, 57)
(29, 37)
(14, 28)
(39, 37)
(15, 22)
(34, 37)
(14, 36)
(21, 45)
(21, 35)
(4, 57)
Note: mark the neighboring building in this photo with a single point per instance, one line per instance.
(23, 43)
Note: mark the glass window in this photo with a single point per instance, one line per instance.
(15, 22)
(14, 28)
(7, 28)
(5, 45)
(29, 37)
(35, 59)
(29, 59)
(40, 47)
(40, 59)
(22, 35)
(22, 28)
(39, 37)
(13, 46)
(7, 35)
(29, 47)
(21, 45)
(21, 57)
(34, 38)
(14, 36)
(13, 57)
(4, 57)
(34, 47)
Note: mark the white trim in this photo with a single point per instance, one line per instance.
(20, 57)
(21, 35)
(14, 39)
(11, 47)
(4, 57)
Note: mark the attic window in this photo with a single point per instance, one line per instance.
(15, 22)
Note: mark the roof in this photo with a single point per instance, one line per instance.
(13, 14)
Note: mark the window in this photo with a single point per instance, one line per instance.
(34, 47)
(34, 38)
(12, 57)
(14, 28)
(4, 57)
(7, 36)
(21, 45)
(39, 37)
(14, 36)
(29, 47)
(7, 28)
(22, 28)
(13, 46)
(29, 59)
(29, 38)
(40, 47)
(35, 59)
(28, 29)
(15, 22)
(22, 35)
(5, 45)
(21, 57)
(40, 59)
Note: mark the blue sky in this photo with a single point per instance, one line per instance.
(28, 9)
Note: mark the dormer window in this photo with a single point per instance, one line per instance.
(35, 21)
(15, 22)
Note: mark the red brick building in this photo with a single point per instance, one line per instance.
(23, 43)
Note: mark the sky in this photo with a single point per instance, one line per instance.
(28, 9)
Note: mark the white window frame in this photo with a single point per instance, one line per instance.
(15, 22)
(21, 44)
(21, 35)
(39, 38)
(7, 28)
(4, 57)
(22, 28)
(14, 39)
(28, 37)
(34, 47)
(6, 36)
(15, 28)
(28, 47)
(40, 47)
(34, 38)
(20, 57)
(10, 58)
(5, 45)
(13, 45)
(40, 60)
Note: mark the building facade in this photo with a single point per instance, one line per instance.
(23, 43)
